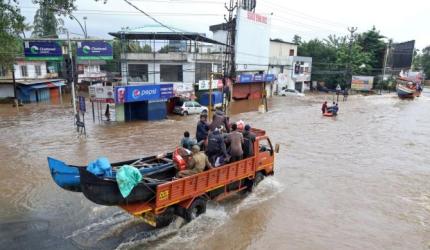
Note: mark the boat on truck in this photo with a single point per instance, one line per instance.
(68, 177)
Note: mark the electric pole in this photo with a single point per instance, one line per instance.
(229, 60)
(348, 79)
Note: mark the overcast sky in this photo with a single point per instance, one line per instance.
(309, 19)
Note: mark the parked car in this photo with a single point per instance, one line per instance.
(189, 108)
(290, 92)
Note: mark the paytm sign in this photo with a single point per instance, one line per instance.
(138, 93)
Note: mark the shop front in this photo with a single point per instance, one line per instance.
(142, 102)
(249, 86)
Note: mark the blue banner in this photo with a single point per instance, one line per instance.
(249, 78)
(43, 50)
(94, 50)
(138, 93)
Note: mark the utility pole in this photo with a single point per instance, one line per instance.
(73, 75)
(385, 65)
(229, 60)
(348, 79)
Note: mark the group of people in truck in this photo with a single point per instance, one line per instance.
(216, 144)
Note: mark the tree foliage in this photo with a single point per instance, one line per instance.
(45, 23)
(11, 26)
(425, 61)
(333, 56)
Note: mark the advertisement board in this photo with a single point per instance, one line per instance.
(43, 50)
(138, 93)
(402, 55)
(205, 84)
(94, 50)
(182, 89)
(252, 44)
(362, 83)
(101, 93)
(250, 78)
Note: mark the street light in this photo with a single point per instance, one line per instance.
(385, 64)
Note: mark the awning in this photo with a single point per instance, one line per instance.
(47, 85)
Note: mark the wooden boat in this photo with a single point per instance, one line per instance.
(105, 191)
(405, 92)
(68, 176)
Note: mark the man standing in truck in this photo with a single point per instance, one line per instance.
(248, 141)
(235, 138)
(197, 164)
(216, 146)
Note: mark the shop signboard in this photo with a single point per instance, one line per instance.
(138, 93)
(362, 83)
(94, 50)
(101, 93)
(249, 78)
(43, 50)
(204, 84)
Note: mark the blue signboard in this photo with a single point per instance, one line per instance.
(138, 93)
(94, 50)
(249, 78)
(43, 50)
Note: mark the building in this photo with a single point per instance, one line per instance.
(292, 71)
(35, 82)
(89, 72)
(181, 59)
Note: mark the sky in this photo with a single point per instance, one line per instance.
(308, 19)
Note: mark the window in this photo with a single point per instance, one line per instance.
(264, 145)
(38, 70)
(203, 71)
(171, 73)
(197, 105)
(138, 72)
(189, 104)
(291, 52)
(24, 72)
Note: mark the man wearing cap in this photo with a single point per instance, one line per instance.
(248, 141)
(197, 164)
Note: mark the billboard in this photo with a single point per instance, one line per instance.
(402, 55)
(101, 93)
(205, 84)
(250, 78)
(252, 42)
(362, 83)
(43, 50)
(138, 93)
(94, 50)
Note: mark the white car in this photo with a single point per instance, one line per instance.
(189, 108)
(290, 92)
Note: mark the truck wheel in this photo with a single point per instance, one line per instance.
(195, 210)
(258, 178)
(164, 219)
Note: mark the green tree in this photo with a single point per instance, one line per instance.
(371, 43)
(11, 26)
(425, 61)
(297, 39)
(45, 23)
(356, 58)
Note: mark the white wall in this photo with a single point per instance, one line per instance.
(31, 70)
(278, 49)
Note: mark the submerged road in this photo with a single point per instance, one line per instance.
(358, 181)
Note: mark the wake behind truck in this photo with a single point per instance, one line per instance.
(159, 196)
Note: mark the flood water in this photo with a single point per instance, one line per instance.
(358, 181)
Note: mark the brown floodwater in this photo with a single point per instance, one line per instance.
(357, 181)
